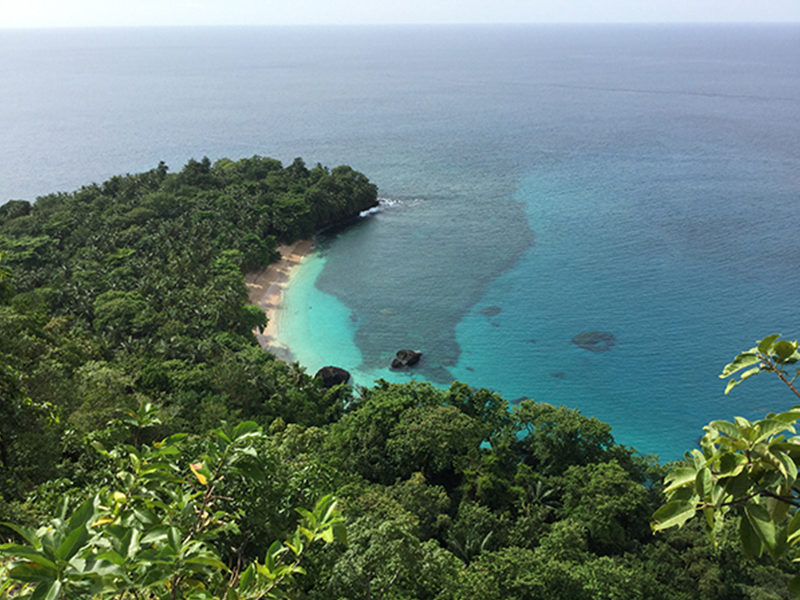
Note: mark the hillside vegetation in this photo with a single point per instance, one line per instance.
(149, 448)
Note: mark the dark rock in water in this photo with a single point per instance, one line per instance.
(495, 324)
(470, 369)
(518, 400)
(332, 376)
(559, 375)
(595, 341)
(491, 311)
(406, 358)
(532, 341)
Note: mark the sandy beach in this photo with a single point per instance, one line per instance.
(265, 290)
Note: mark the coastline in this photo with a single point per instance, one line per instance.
(265, 290)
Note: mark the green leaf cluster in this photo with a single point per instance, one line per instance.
(745, 469)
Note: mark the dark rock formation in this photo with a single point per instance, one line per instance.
(406, 358)
(595, 341)
(332, 376)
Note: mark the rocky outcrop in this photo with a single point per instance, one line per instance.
(595, 341)
(332, 376)
(406, 358)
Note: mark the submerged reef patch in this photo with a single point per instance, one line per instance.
(595, 341)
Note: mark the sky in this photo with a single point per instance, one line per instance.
(115, 13)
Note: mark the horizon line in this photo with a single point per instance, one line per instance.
(391, 24)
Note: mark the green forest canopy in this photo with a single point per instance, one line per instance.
(150, 448)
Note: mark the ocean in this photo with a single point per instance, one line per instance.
(537, 182)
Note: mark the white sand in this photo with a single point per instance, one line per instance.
(265, 290)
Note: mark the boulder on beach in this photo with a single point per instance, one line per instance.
(595, 341)
(332, 376)
(406, 358)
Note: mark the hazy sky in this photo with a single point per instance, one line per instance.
(81, 13)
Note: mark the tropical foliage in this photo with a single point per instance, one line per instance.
(150, 449)
(746, 470)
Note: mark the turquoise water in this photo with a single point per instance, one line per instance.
(541, 181)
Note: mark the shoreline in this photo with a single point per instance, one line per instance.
(265, 290)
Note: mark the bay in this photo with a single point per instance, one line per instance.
(637, 180)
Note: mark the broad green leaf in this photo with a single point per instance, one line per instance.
(765, 345)
(727, 428)
(762, 524)
(174, 439)
(769, 427)
(786, 465)
(784, 349)
(144, 516)
(709, 513)
(32, 573)
(207, 560)
(29, 554)
(157, 534)
(679, 478)
(788, 417)
(730, 465)
(777, 510)
(100, 448)
(307, 515)
(742, 361)
(704, 483)
(105, 568)
(247, 577)
(738, 486)
(246, 428)
(749, 373)
(47, 591)
(112, 557)
(54, 592)
(27, 533)
(223, 436)
(793, 529)
(751, 542)
(672, 514)
(274, 552)
(74, 542)
(174, 538)
(133, 544)
(327, 535)
(325, 508)
(732, 383)
(84, 513)
(265, 572)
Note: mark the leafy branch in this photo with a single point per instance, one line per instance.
(745, 468)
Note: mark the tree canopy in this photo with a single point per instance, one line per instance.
(149, 448)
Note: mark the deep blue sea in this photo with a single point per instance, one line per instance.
(539, 182)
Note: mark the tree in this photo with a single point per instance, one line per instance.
(745, 469)
(154, 530)
(556, 438)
